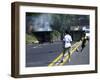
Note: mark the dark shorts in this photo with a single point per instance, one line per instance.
(66, 50)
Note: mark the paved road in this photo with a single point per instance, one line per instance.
(43, 54)
(50, 54)
(79, 57)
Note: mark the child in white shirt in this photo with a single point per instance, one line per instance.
(67, 44)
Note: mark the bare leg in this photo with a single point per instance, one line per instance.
(63, 54)
(69, 54)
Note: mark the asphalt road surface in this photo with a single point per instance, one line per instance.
(42, 54)
(49, 54)
(79, 58)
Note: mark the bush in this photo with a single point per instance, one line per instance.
(31, 39)
(55, 35)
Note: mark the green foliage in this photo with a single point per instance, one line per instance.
(31, 39)
(55, 35)
(61, 22)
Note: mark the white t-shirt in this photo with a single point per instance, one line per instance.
(67, 39)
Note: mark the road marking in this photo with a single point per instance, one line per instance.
(59, 57)
(66, 58)
(37, 46)
(55, 60)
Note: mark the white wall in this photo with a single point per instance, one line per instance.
(5, 40)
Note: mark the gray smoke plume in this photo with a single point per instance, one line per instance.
(39, 23)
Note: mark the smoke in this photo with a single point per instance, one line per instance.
(39, 23)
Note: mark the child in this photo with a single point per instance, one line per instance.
(67, 44)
